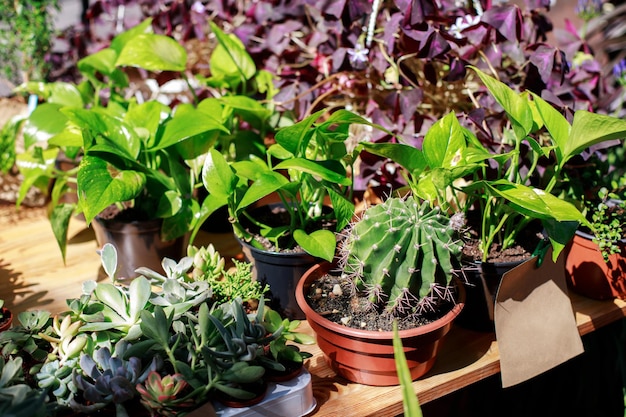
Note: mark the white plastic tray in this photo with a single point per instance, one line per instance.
(292, 398)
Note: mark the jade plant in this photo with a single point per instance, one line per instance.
(403, 254)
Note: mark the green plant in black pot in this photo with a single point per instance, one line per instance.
(308, 168)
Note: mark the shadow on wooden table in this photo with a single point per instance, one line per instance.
(13, 287)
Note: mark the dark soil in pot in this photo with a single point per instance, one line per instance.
(332, 297)
(275, 215)
(522, 250)
(292, 370)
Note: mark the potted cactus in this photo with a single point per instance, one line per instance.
(397, 262)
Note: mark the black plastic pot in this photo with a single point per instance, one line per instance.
(138, 244)
(281, 271)
(482, 281)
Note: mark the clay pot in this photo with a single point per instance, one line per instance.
(366, 357)
(588, 274)
(7, 319)
(138, 244)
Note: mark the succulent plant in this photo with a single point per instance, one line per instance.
(227, 284)
(67, 343)
(402, 254)
(17, 398)
(108, 378)
(24, 339)
(57, 379)
(164, 396)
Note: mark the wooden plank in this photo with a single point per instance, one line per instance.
(33, 276)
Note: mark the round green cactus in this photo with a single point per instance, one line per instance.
(403, 254)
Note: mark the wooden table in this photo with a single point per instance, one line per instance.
(33, 276)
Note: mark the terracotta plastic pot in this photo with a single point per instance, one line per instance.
(366, 357)
(138, 244)
(588, 274)
(7, 319)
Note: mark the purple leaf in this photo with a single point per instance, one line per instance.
(543, 58)
(507, 20)
(457, 70)
(436, 45)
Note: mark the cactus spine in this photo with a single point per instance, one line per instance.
(403, 255)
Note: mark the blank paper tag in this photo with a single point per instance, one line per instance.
(535, 325)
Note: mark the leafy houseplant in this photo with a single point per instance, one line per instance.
(500, 190)
(161, 342)
(137, 155)
(507, 197)
(307, 169)
(397, 261)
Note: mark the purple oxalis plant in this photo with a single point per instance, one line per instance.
(399, 63)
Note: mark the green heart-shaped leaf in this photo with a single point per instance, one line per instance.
(320, 243)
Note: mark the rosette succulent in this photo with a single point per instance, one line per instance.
(164, 396)
(108, 378)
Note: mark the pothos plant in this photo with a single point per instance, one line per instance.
(131, 153)
(309, 166)
(455, 170)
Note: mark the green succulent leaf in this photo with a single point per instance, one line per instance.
(112, 297)
(138, 295)
(108, 258)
